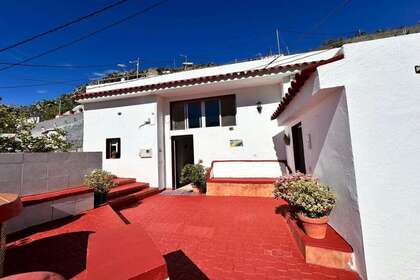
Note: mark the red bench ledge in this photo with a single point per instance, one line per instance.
(333, 251)
(242, 180)
(34, 199)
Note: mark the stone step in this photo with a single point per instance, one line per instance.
(126, 189)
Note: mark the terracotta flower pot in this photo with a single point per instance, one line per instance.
(314, 227)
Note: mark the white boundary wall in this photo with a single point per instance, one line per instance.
(248, 169)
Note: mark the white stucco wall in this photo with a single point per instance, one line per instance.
(248, 169)
(328, 155)
(256, 131)
(384, 112)
(102, 121)
(383, 101)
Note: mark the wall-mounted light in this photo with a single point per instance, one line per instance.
(259, 107)
(286, 139)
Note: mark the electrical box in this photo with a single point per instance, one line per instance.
(145, 153)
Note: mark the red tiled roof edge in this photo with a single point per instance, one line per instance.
(300, 80)
(192, 81)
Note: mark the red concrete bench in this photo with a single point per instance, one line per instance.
(332, 251)
(34, 199)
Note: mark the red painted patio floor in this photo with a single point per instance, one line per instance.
(225, 238)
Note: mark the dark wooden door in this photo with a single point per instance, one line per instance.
(182, 154)
(298, 150)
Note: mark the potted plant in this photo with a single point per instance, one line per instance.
(312, 200)
(194, 174)
(101, 182)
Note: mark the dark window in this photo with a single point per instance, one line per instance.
(194, 114)
(217, 111)
(228, 110)
(212, 112)
(113, 148)
(177, 115)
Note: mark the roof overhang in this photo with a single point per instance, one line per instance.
(299, 82)
(216, 82)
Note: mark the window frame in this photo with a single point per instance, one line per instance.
(203, 111)
(108, 144)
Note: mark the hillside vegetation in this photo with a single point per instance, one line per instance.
(363, 36)
(48, 109)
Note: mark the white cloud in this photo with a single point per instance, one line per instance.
(101, 74)
(42, 91)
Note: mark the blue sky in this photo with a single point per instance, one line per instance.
(206, 31)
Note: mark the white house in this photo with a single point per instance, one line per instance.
(351, 114)
(150, 128)
(355, 124)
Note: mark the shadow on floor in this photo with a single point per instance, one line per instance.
(182, 267)
(125, 205)
(282, 210)
(64, 254)
(51, 225)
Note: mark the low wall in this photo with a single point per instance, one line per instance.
(36, 173)
(215, 188)
(248, 169)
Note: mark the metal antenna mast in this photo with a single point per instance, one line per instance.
(137, 62)
(278, 41)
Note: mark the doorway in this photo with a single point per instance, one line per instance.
(298, 151)
(182, 154)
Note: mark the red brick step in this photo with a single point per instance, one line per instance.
(124, 181)
(132, 199)
(126, 189)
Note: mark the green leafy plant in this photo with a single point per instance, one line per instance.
(16, 135)
(100, 180)
(194, 174)
(305, 193)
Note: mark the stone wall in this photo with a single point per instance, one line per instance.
(34, 173)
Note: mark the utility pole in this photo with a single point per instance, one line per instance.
(137, 62)
(59, 107)
(278, 41)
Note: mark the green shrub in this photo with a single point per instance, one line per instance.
(194, 174)
(100, 180)
(305, 193)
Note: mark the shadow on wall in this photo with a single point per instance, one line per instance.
(64, 254)
(182, 267)
(324, 128)
(279, 146)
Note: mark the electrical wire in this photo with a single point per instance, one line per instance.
(88, 35)
(335, 10)
(65, 66)
(62, 26)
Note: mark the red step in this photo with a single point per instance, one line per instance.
(126, 189)
(124, 181)
(140, 260)
(133, 198)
